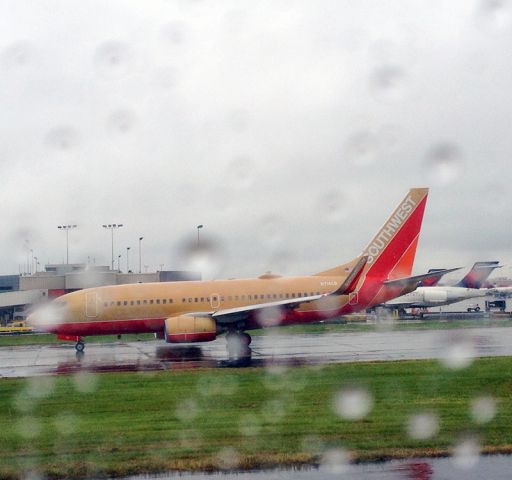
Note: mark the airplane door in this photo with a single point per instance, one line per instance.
(91, 304)
(215, 301)
(352, 298)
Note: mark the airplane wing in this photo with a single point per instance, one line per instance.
(230, 315)
(408, 282)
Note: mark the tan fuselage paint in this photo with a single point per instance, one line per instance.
(101, 304)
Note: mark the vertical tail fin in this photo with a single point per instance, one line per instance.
(477, 276)
(391, 252)
(432, 282)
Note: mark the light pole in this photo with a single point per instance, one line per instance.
(67, 228)
(140, 257)
(112, 227)
(198, 228)
(32, 261)
(118, 262)
(36, 263)
(127, 259)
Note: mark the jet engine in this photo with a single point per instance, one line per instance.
(188, 329)
(434, 296)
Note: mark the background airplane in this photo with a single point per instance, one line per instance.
(474, 284)
(198, 311)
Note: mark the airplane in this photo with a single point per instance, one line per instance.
(473, 285)
(198, 311)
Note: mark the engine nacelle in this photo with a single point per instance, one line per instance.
(434, 296)
(185, 329)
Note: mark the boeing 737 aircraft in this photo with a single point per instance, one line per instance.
(435, 296)
(198, 311)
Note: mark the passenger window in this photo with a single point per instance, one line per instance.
(151, 302)
(293, 295)
(125, 302)
(243, 297)
(112, 304)
(202, 299)
(138, 302)
(145, 302)
(170, 300)
(105, 304)
(131, 302)
(250, 297)
(236, 298)
(190, 300)
(196, 299)
(158, 301)
(274, 296)
(118, 304)
(164, 301)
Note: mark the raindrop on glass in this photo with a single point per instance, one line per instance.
(187, 410)
(62, 138)
(121, 121)
(361, 148)
(466, 453)
(85, 382)
(28, 427)
(174, 33)
(112, 58)
(332, 206)
(494, 16)
(458, 354)
(483, 409)
(388, 83)
(335, 461)
(228, 458)
(16, 56)
(443, 164)
(353, 403)
(423, 426)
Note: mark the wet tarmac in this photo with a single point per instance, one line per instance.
(465, 467)
(455, 347)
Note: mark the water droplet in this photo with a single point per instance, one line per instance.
(361, 148)
(187, 410)
(28, 427)
(466, 453)
(353, 403)
(67, 423)
(240, 172)
(313, 444)
(174, 33)
(458, 354)
(423, 426)
(17, 55)
(494, 16)
(443, 164)
(85, 382)
(40, 387)
(388, 83)
(112, 58)
(228, 458)
(335, 461)
(249, 425)
(122, 121)
(274, 410)
(270, 316)
(206, 258)
(62, 138)
(483, 409)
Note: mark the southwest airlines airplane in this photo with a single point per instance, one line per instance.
(198, 311)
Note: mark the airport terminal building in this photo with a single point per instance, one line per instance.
(19, 294)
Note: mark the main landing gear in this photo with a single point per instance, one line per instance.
(80, 345)
(237, 345)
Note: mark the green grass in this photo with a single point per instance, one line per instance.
(127, 423)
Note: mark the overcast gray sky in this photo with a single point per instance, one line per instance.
(290, 129)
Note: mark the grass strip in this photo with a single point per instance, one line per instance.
(97, 425)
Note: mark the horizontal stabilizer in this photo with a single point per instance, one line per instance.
(477, 276)
(413, 281)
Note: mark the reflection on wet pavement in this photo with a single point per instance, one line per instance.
(454, 347)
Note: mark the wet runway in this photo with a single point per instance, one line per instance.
(454, 347)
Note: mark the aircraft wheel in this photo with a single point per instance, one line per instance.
(477, 309)
(80, 346)
(237, 345)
